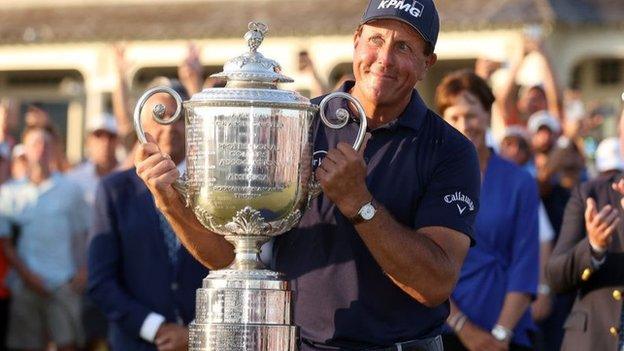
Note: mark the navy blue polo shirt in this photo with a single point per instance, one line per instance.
(425, 173)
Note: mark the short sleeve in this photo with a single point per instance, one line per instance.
(451, 196)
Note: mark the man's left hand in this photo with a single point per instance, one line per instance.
(342, 175)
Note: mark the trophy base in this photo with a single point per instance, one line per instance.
(243, 310)
(242, 337)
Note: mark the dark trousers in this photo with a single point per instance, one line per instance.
(452, 343)
(430, 344)
(4, 322)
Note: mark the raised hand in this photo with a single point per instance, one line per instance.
(600, 225)
(191, 71)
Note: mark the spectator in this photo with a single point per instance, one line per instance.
(138, 273)
(191, 71)
(7, 118)
(50, 213)
(308, 70)
(19, 164)
(100, 144)
(489, 307)
(515, 148)
(587, 260)
(121, 102)
(609, 157)
(534, 98)
(37, 117)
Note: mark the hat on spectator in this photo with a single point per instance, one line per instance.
(18, 151)
(543, 119)
(421, 15)
(104, 121)
(609, 156)
(516, 131)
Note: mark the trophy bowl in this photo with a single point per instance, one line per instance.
(249, 178)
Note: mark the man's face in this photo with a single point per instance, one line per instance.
(388, 61)
(468, 116)
(543, 140)
(101, 145)
(511, 149)
(170, 138)
(38, 147)
(532, 101)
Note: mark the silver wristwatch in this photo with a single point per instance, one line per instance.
(366, 213)
(501, 333)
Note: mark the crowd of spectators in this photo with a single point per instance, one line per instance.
(531, 162)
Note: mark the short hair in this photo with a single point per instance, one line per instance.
(47, 129)
(458, 82)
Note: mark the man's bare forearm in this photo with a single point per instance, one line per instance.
(415, 262)
(514, 307)
(209, 248)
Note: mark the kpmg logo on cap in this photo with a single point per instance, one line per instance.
(415, 8)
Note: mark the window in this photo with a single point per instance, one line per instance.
(609, 71)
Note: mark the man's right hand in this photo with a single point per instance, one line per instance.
(157, 171)
(600, 225)
(476, 339)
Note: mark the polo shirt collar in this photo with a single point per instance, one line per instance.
(411, 117)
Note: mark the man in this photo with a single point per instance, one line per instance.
(138, 274)
(587, 260)
(101, 143)
(362, 281)
(534, 98)
(47, 281)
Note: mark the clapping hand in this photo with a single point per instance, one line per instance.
(600, 225)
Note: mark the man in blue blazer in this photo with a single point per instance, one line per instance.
(139, 275)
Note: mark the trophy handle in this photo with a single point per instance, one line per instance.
(343, 118)
(158, 113)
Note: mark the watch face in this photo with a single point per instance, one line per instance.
(500, 334)
(367, 212)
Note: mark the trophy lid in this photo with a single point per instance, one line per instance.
(252, 68)
(252, 80)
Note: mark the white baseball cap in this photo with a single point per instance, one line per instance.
(104, 121)
(543, 119)
(609, 156)
(18, 151)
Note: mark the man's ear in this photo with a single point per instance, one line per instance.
(431, 60)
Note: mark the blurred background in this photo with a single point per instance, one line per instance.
(61, 55)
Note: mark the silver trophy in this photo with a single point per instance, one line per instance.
(249, 178)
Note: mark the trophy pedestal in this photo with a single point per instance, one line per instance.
(243, 310)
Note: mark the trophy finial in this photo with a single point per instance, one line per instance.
(255, 36)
